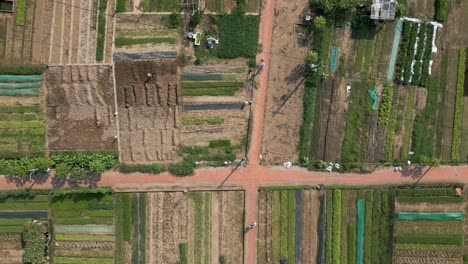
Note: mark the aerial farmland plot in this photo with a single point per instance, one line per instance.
(177, 227)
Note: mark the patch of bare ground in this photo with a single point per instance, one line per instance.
(231, 229)
(80, 108)
(429, 207)
(149, 110)
(12, 256)
(283, 108)
(311, 202)
(421, 8)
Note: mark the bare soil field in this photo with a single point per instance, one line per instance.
(69, 32)
(10, 248)
(173, 219)
(270, 223)
(149, 110)
(80, 108)
(16, 41)
(283, 108)
(233, 122)
(421, 8)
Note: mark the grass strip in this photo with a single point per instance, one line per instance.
(194, 85)
(83, 237)
(427, 247)
(344, 227)
(119, 229)
(329, 226)
(210, 92)
(22, 70)
(101, 28)
(209, 77)
(457, 119)
(276, 226)
(408, 122)
(435, 200)
(198, 198)
(12, 228)
(26, 205)
(438, 239)
(362, 43)
(426, 192)
(135, 234)
(336, 226)
(206, 241)
(24, 124)
(20, 12)
(20, 109)
(368, 227)
(142, 226)
(135, 41)
(120, 6)
(291, 225)
(13, 221)
(201, 121)
(369, 48)
(84, 221)
(73, 260)
(127, 217)
(182, 253)
(284, 225)
(351, 244)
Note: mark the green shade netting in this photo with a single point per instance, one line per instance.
(373, 96)
(430, 216)
(20, 85)
(333, 59)
(7, 92)
(393, 55)
(20, 78)
(360, 231)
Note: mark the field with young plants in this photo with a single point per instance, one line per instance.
(16, 209)
(84, 229)
(288, 227)
(429, 226)
(22, 131)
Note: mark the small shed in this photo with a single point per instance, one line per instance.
(383, 9)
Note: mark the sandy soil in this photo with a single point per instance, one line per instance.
(80, 108)
(283, 109)
(149, 111)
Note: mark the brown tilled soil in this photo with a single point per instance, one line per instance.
(149, 110)
(231, 226)
(80, 108)
(332, 120)
(414, 260)
(420, 8)
(12, 256)
(10, 248)
(283, 108)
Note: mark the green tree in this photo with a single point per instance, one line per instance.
(320, 23)
(97, 167)
(312, 57)
(62, 170)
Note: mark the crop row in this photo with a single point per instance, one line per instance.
(72, 260)
(84, 213)
(425, 192)
(442, 199)
(135, 41)
(457, 119)
(210, 92)
(429, 224)
(201, 121)
(434, 239)
(84, 237)
(101, 29)
(206, 241)
(20, 12)
(192, 85)
(208, 77)
(336, 226)
(198, 199)
(85, 221)
(328, 227)
(390, 133)
(284, 224)
(421, 230)
(238, 35)
(415, 53)
(84, 253)
(385, 107)
(22, 70)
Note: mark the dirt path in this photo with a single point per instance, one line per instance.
(264, 39)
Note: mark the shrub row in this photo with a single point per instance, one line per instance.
(426, 56)
(34, 242)
(82, 191)
(135, 41)
(443, 240)
(79, 166)
(441, 10)
(385, 107)
(403, 50)
(410, 54)
(457, 119)
(101, 28)
(419, 54)
(426, 192)
(336, 226)
(154, 168)
(21, 167)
